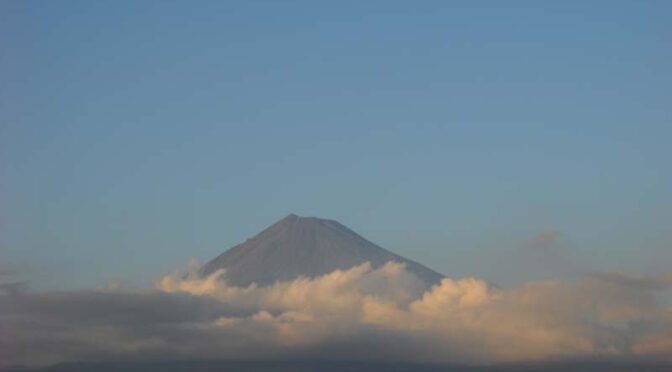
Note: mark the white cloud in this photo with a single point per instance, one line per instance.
(360, 313)
(602, 316)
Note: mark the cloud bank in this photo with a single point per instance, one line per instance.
(358, 314)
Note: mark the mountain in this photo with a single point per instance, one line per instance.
(304, 246)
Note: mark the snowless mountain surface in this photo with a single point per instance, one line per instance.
(304, 246)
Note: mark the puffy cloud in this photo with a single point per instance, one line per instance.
(360, 313)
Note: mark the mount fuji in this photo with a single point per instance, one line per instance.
(304, 247)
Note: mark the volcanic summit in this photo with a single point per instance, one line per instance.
(304, 246)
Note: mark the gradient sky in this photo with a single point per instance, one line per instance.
(479, 138)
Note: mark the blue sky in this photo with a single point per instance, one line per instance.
(135, 135)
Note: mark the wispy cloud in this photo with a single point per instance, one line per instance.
(544, 239)
(8, 283)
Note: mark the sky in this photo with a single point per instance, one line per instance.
(503, 141)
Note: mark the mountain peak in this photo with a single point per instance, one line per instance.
(293, 218)
(303, 246)
(295, 222)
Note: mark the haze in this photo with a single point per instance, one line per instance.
(511, 143)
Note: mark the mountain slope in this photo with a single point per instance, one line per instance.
(304, 246)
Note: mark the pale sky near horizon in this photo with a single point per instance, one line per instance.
(479, 138)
